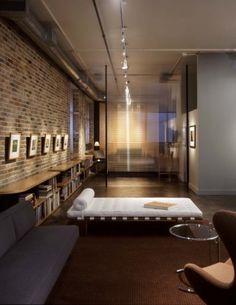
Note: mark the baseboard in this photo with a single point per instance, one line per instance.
(181, 178)
(200, 191)
(193, 187)
(216, 192)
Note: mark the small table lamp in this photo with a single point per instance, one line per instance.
(96, 145)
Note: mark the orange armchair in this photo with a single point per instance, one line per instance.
(216, 284)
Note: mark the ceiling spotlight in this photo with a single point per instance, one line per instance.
(125, 64)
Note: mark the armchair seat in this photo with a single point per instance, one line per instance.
(221, 274)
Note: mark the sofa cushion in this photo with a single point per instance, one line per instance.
(31, 267)
(7, 234)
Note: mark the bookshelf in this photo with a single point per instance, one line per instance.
(72, 175)
(86, 165)
(69, 179)
(40, 190)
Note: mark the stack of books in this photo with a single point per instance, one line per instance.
(44, 190)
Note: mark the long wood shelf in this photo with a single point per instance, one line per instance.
(65, 166)
(28, 183)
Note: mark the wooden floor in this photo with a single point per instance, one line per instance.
(148, 187)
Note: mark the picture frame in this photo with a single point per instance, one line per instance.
(192, 136)
(33, 145)
(14, 146)
(65, 141)
(57, 142)
(46, 143)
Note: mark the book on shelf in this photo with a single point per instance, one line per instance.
(40, 213)
(44, 194)
(45, 187)
(53, 182)
(64, 177)
(27, 197)
(158, 205)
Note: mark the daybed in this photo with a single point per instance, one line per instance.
(31, 258)
(88, 207)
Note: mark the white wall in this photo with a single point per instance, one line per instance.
(216, 93)
(194, 155)
(182, 147)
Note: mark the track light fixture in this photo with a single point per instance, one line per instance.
(124, 54)
(125, 64)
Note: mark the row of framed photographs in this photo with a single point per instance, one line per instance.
(60, 142)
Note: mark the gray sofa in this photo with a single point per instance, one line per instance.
(31, 258)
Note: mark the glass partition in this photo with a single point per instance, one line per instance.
(141, 138)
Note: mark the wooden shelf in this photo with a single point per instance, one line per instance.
(64, 183)
(65, 166)
(28, 183)
(38, 202)
(63, 200)
(41, 200)
(46, 217)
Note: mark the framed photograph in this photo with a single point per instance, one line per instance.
(33, 145)
(65, 142)
(192, 136)
(14, 146)
(57, 142)
(46, 143)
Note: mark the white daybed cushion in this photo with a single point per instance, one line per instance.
(84, 199)
(134, 207)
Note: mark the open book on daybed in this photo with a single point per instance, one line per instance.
(88, 207)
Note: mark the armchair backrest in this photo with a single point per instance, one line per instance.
(225, 225)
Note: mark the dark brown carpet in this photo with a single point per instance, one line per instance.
(128, 266)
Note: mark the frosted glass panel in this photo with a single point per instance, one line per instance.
(141, 138)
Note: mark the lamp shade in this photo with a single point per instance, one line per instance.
(96, 145)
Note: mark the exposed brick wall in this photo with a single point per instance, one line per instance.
(34, 99)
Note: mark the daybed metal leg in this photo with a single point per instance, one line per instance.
(83, 226)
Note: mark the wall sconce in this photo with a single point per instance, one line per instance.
(96, 145)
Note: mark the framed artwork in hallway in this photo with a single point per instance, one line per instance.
(57, 142)
(14, 146)
(65, 142)
(46, 143)
(192, 136)
(33, 144)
